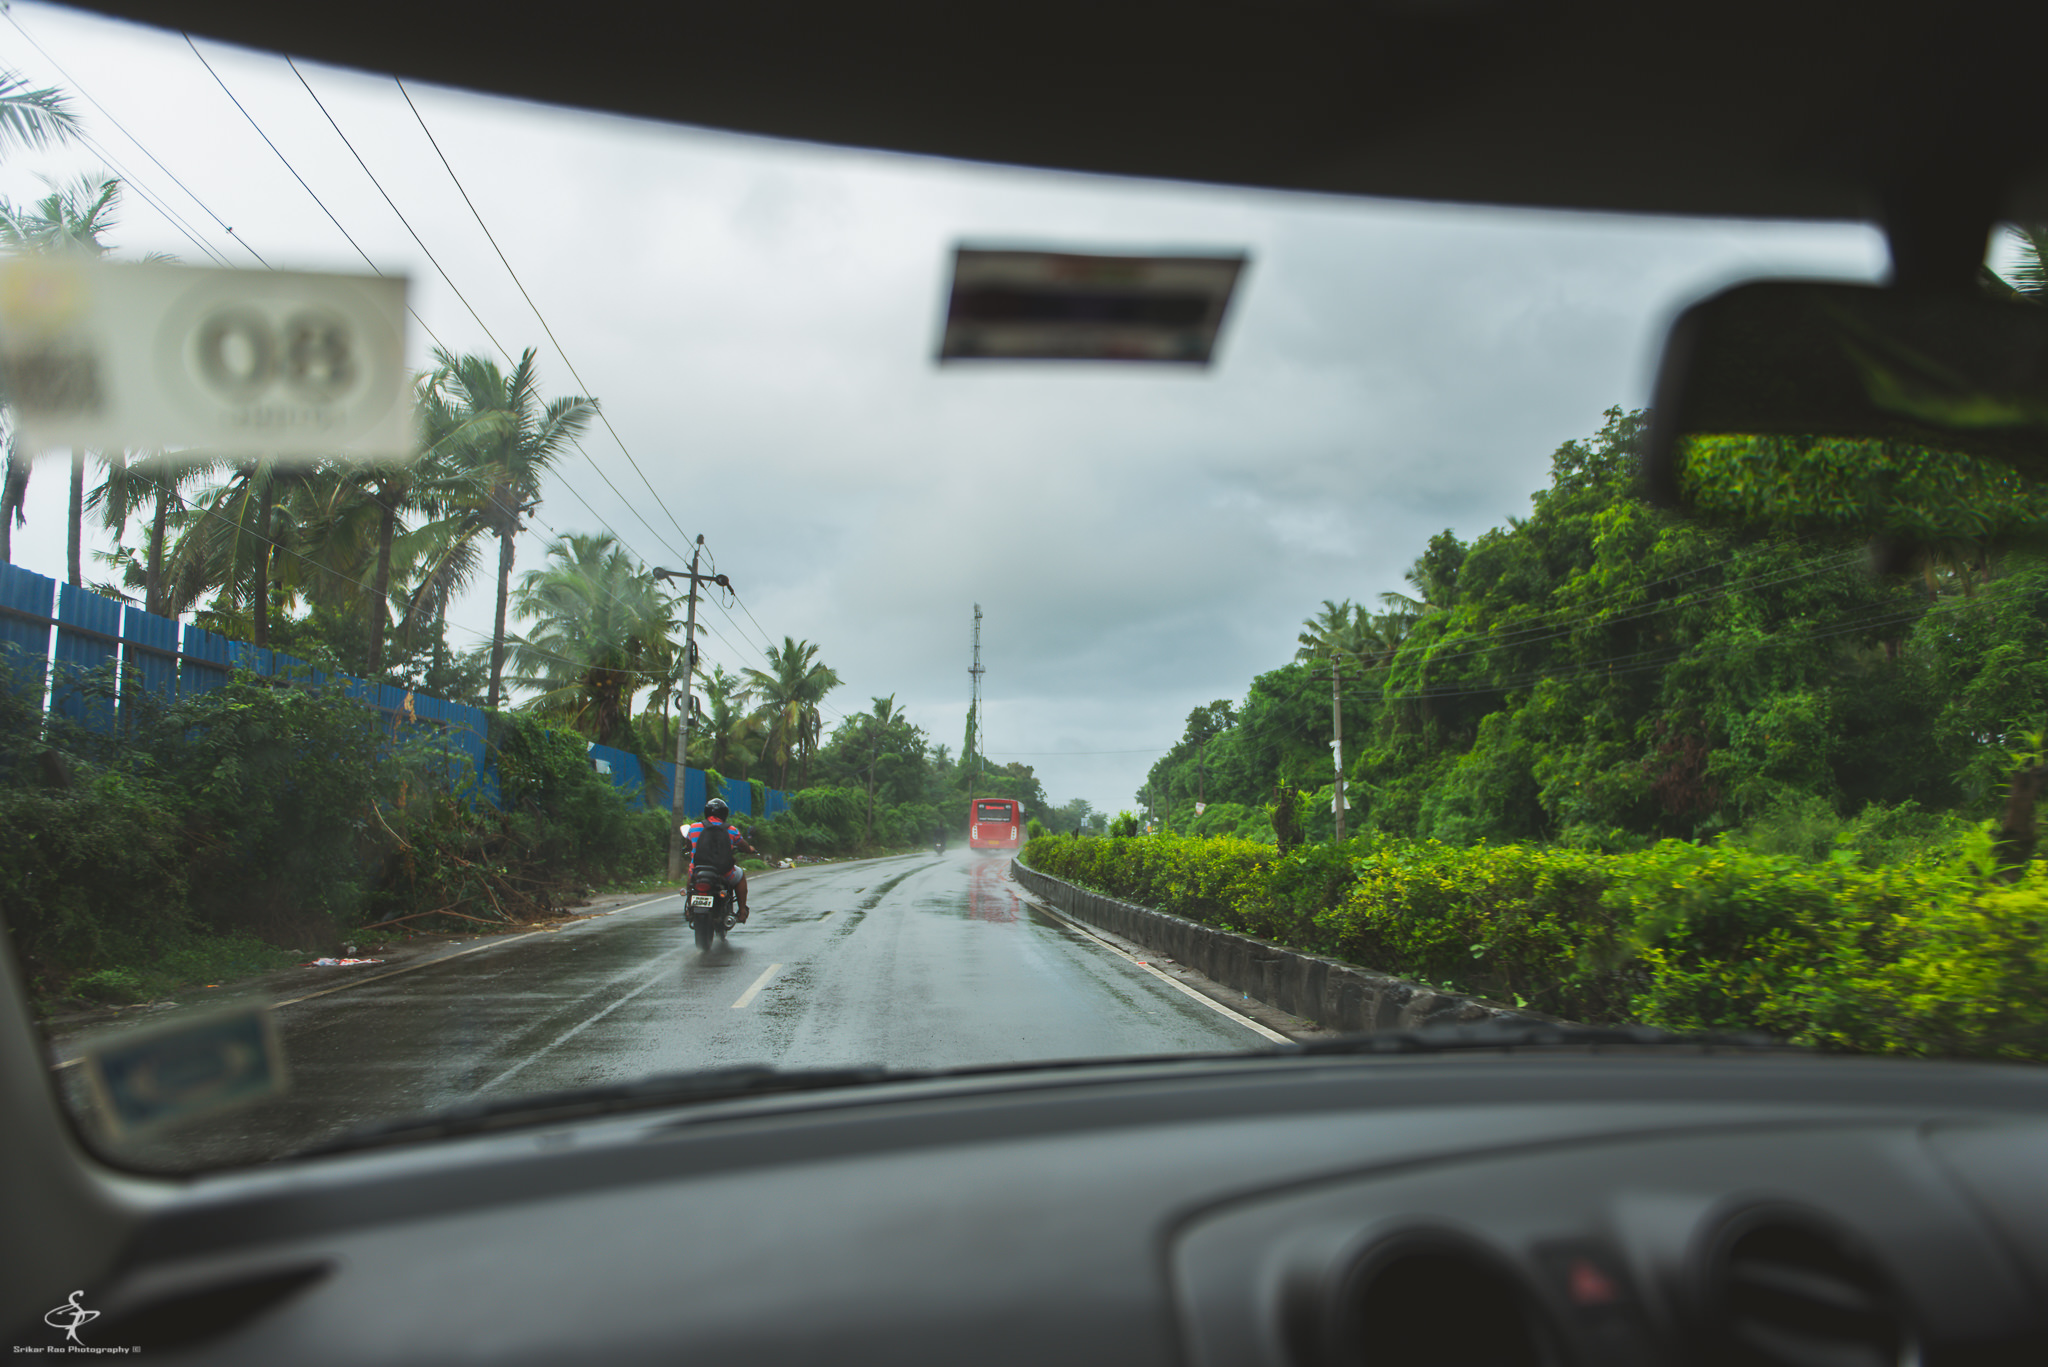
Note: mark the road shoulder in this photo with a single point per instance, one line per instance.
(1234, 1002)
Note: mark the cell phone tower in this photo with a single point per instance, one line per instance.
(974, 673)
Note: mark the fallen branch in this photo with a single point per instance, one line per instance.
(402, 842)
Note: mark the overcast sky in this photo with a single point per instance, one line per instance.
(759, 320)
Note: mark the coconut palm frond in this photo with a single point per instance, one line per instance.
(34, 118)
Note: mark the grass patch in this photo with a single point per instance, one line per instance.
(146, 971)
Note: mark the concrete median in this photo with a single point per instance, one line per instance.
(1334, 994)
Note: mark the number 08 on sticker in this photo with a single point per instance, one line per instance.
(154, 356)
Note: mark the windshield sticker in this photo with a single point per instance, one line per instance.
(193, 1067)
(153, 356)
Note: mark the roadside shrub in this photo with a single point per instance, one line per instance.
(114, 986)
(537, 763)
(562, 813)
(91, 874)
(832, 817)
(908, 823)
(277, 785)
(1929, 955)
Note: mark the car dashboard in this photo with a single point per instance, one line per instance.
(1575, 1206)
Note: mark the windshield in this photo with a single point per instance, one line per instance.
(1345, 625)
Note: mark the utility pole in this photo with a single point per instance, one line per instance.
(975, 671)
(1337, 744)
(678, 818)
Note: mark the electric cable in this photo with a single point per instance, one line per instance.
(492, 238)
(148, 196)
(388, 200)
(280, 155)
(73, 82)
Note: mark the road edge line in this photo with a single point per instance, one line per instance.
(1246, 1021)
(491, 943)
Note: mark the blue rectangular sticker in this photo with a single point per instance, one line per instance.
(187, 1068)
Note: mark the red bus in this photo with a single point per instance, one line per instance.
(996, 823)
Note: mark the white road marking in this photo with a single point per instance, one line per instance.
(492, 943)
(1246, 1021)
(755, 991)
(580, 1027)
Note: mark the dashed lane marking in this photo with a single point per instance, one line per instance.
(755, 991)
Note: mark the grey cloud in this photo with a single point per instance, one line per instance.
(759, 321)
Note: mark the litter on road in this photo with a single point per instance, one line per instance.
(339, 963)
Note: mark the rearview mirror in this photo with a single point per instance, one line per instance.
(1783, 383)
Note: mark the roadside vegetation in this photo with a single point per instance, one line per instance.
(1768, 764)
(268, 820)
(1936, 949)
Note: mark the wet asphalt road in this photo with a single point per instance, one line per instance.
(915, 961)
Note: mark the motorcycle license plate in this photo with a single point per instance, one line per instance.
(703, 901)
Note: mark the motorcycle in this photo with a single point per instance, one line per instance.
(939, 846)
(710, 908)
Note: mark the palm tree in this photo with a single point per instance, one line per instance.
(70, 219)
(494, 438)
(790, 690)
(598, 618)
(33, 118)
(237, 542)
(131, 482)
(732, 733)
(875, 727)
(1339, 633)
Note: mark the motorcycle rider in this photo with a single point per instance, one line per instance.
(716, 813)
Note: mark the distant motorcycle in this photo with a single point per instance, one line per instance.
(939, 845)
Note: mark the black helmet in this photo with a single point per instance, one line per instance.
(716, 807)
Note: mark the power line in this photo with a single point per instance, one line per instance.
(144, 193)
(409, 229)
(191, 236)
(280, 155)
(413, 312)
(388, 200)
(627, 452)
(457, 291)
(140, 146)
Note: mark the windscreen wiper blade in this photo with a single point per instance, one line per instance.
(1489, 1035)
(542, 1108)
(720, 1084)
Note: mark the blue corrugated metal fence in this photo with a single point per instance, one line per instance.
(150, 658)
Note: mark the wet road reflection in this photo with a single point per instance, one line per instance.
(915, 961)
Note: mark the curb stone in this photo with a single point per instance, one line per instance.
(1335, 994)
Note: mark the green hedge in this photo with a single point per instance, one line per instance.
(1933, 955)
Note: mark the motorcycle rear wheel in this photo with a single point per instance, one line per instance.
(707, 933)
